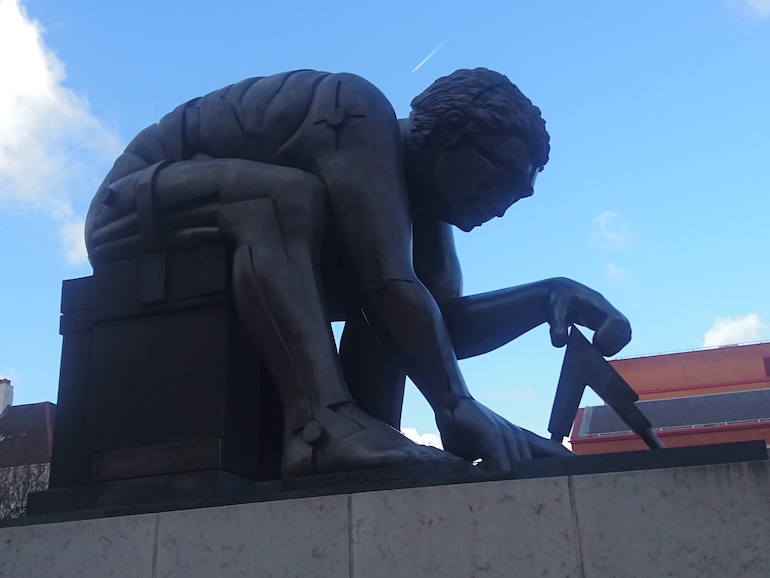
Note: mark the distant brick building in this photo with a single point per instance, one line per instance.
(692, 398)
(26, 437)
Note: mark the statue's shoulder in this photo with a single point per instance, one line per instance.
(296, 86)
(355, 95)
(271, 85)
(353, 84)
(312, 79)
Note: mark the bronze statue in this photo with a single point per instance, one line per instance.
(336, 210)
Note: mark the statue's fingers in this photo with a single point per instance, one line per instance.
(511, 447)
(612, 336)
(493, 458)
(525, 451)
(544, 448)
(558, 322)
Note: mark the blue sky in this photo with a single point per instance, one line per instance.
(656, 193)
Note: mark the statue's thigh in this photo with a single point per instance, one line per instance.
(186, 200)
(229, 180)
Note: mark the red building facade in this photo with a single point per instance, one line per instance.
(692, 398)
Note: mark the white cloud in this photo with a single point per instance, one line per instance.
(754, 8)
(52, 148)
(617, 275)
(73, 241)
(611, 232)
(737, 329)
(426, 439)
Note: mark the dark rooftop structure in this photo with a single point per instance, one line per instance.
(684, 412)
(26, 434)
(701, 397)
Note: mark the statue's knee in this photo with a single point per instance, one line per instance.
(251, 222)
(303, 196)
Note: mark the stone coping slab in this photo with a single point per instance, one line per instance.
(418, 476)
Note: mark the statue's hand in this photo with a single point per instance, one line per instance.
(570, 302)
(472, 431)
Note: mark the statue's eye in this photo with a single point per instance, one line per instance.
(490, 157)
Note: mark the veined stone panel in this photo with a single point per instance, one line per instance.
(120, 547)
(699, 522)
(305, 538)
(707, 521)
(494, 530)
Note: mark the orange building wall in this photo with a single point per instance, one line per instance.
(702, 372)
(686, 374)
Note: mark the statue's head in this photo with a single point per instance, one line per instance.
(485, 143)
(487, 103)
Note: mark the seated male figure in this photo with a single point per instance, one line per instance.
(336, 210)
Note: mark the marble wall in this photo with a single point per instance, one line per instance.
(700, 522)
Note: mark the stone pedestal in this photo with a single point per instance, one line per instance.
(704, 521)
(161, 394)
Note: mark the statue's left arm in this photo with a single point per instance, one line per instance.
(481, 323)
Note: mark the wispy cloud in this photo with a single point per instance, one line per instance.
(752, 8)
(617, 275)
(73, 245)
(426, 439)
(610, 231)
(737, 329)
(52, 147)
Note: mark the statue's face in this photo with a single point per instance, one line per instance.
(479, 178)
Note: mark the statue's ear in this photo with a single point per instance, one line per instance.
(451, 126)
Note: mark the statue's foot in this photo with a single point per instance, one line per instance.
(343, 438)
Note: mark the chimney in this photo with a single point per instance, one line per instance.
(6, 394)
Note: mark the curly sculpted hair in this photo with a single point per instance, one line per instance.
(492, 103)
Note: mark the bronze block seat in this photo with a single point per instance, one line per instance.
(159, 388)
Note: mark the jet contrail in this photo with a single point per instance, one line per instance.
(433, 52)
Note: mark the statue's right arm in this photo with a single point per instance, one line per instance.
(435, 258)
(370, 211)
(371, 214)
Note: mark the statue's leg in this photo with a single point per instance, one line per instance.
(275, 218)
(374, 378)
